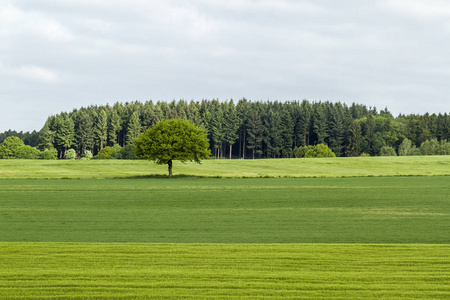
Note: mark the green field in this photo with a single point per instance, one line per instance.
(305, 167)
(108, 271)
(210, 210)
(144, 235)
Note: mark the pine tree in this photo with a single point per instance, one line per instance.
(46, 137)
(320, 124)
(101, 128)
(134, 128)
(255, 133)
(114, 127)
(355, 136)
(303, 123)
(287, 133)
(231, 125)
(217, 131)
(84, 130)
(64, 133)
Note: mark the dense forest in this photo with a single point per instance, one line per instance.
(249, 129)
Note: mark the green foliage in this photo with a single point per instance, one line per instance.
(320, 151)
(10, 147)
(387, 151)
(255, 131)
(70, 154)
(49, 154)
(106, 153)
(118, 151)
(128, 153)
(365, 154)
(348, 130)
(134, 128)
(299, 152)
(174, 139)
(355, 139)
(405, 147)
(87, 155)
(14, 148)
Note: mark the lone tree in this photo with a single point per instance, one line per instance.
(175, 139)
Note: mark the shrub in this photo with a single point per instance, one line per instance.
(106, 153)
(387, 151)
(118, 153)
(414, 151)
(320, 151)
(127, 152)
(299, 152)
(70, 154)
(87, 155)
(13, 147)
(365, 154)
(49, 154)
(404, 147)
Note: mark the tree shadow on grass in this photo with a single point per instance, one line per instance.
(160, 176)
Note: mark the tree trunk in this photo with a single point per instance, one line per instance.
(243, 146)
(170, 167)
(231, 146)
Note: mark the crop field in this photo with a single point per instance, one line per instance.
(210, 210)
(108, 271)
(67, 235)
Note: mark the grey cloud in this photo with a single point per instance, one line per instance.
(58, 55)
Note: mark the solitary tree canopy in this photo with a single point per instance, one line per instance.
(175, 139)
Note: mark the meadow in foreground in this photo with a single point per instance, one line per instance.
(109, 271)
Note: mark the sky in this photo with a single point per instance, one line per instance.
(57, 55)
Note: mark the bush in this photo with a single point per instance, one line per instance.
(320, 151)
(49, 154)
(405, 147)
(127, 152)
(13, 147)
(414, 151)
(106, 153)
(299, 152)
(387, 151)
(430, 147)
(118, 153)
(87, 155)
(70, 154)
(364, 155)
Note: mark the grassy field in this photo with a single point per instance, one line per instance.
(368, 228)
(237, 271)
(210, 210)
(312, 167)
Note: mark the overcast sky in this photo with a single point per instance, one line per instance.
(56, 55)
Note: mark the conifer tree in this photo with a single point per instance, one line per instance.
(134, 128)
(231, 125)
(255, 133)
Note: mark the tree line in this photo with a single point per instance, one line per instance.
(248, 129)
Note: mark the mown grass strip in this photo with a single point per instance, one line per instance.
(205, 210)
(104, 271)
(237, 168)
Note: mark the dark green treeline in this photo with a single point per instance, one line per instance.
(248, 129)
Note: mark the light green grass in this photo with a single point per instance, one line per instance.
(245, 210)
(237, 271)
(313, 167)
